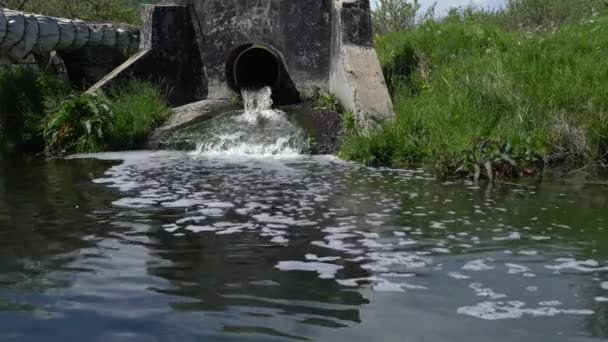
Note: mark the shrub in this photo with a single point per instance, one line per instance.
(124, 11)
(138, 108)
(324, 100)
(536, 14)
(467, 91)
(78, 125)
(22, 93)
(394, 15)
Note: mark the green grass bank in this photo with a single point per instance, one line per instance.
(496, 94)
(41, 114)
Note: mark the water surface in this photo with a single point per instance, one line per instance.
(172, 246)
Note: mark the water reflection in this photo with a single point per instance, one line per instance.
(170, 246)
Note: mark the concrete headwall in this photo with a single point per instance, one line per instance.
(323, 44)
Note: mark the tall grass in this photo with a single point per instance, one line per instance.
(123, 11)
(138, 108)
(468, 78)
(22, 93)
(122, 119)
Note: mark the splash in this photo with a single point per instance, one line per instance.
(259, 130)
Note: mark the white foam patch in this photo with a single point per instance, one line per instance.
(510, 237)
(313, 257)
(280, 240)
(458, 275)
(480, 291)
(201, 229)
(601, 299)
(552, 303)
(182, 203)
(477, 265)
(604, 285)
(387, 286)
(135, 203)
(325, 270)
(517, 269)
(586, 266)
(338, 245)
(514, 310)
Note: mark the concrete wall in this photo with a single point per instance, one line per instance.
(325, 44)
(299, 30)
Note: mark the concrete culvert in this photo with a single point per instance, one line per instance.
(254, 66)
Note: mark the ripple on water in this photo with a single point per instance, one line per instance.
(349, 226)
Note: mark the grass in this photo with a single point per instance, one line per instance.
(469, 78)
(42, 113)
(138, 108)
(22, 93)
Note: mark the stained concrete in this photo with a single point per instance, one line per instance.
(189, 46)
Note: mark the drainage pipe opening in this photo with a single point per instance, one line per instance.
(256, 68)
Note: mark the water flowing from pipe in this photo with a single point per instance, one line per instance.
(258, 130)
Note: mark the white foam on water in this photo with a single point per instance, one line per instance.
(458, 275)
(313, 257)
(601, 299)
(517, 269)
(200, 229)
(514, 310)
(540, 238)
(604, 285)
(387, 286)
(258, 131)
(553, 303)
(585, 266)
(510, 237)
(325, 270)
(477, 265)
(480, 291)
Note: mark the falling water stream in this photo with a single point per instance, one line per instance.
(257, 130)
(247, 239)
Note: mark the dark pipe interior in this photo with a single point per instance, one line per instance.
(256, 68)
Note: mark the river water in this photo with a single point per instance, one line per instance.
(176, 246)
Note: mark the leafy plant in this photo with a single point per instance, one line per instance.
(109, 10)
(138, 108)
(325, 101)
(22, 93)
(395, 15)
(78, 125)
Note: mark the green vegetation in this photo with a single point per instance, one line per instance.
(41, 113)
(78, 123)
(124, 11)
(22, 94)
(138, 108)
(496, 94)
(324, 100)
